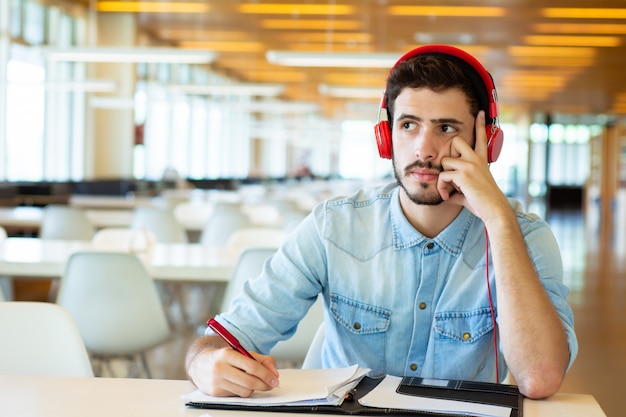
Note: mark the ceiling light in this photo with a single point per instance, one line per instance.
(350, 92)
(112, 103)
(330, 59)
(578, 28)
(304, 24)
(556, 40)
(84, 86)
(335, 37)
(296, 9)
(191, 34)
(294, 107)
(223, 46)
(551, 61)
(266, 90)
(151, 7)
(138, 54)
(447, 11)
(551, 51)
(583, 13)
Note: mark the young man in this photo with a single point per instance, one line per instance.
(438, 275)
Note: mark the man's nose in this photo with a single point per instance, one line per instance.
(425, 145)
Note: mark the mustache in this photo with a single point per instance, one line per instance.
(422, 164)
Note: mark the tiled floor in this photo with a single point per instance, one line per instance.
(596, 275)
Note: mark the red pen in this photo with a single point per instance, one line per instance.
(229, 338)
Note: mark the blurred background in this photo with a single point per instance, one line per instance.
(133, 98)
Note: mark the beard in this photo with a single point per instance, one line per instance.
(423, 195)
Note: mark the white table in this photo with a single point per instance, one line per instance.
(33, 396)
(30, 218)
(34, 257)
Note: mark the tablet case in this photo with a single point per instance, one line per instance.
(483, 392)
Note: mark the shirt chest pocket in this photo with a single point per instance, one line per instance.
(465, 327)
(357, 317)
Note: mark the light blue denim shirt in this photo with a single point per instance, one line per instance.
(395, 301)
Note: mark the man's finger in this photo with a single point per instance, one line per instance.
(480, 147)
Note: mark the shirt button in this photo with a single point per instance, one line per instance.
(413, 367)
(422, 305)
(356, 325)
(430, 245)
(466, 336)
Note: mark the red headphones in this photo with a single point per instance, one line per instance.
(495, 136)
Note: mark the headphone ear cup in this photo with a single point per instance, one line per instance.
(494, 144)
(383, 138)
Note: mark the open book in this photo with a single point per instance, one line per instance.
(297, 387)
(348, 391)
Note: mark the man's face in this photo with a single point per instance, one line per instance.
(425, 122)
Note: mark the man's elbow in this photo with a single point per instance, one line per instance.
(538, 386)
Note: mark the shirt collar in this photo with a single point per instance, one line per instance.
(405, 235)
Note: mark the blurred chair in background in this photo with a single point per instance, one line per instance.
(194, 215)
(223, 222)
(163, 225)
(65, 222)
(124, 239)
(249, 265)
(116, 307)
(40, 339)
(256, 237)
(313, 358)
(290, 352)
(293, 351)
(161, 222)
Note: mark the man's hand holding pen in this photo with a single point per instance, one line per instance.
(219, 366)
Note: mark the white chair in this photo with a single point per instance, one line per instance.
(294, 350)
(193, 213)
(41, 339)
(249, 265)
(124, 239)
(164, 227)
(65, 222)
(256, 237)
(313, 358)
(116, 307)
(221, 225)
(161, 222)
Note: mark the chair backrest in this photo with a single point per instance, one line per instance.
(124, 239)
(313, 358)
(65, 222)
(40, 339)
(193, 212)
(222, 224)
(296, 347)
(256, 237)
(114, 301)
(3, 233)
(161, 222)
(249, 265)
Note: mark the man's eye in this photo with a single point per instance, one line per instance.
(448, 128)
(407, 125)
